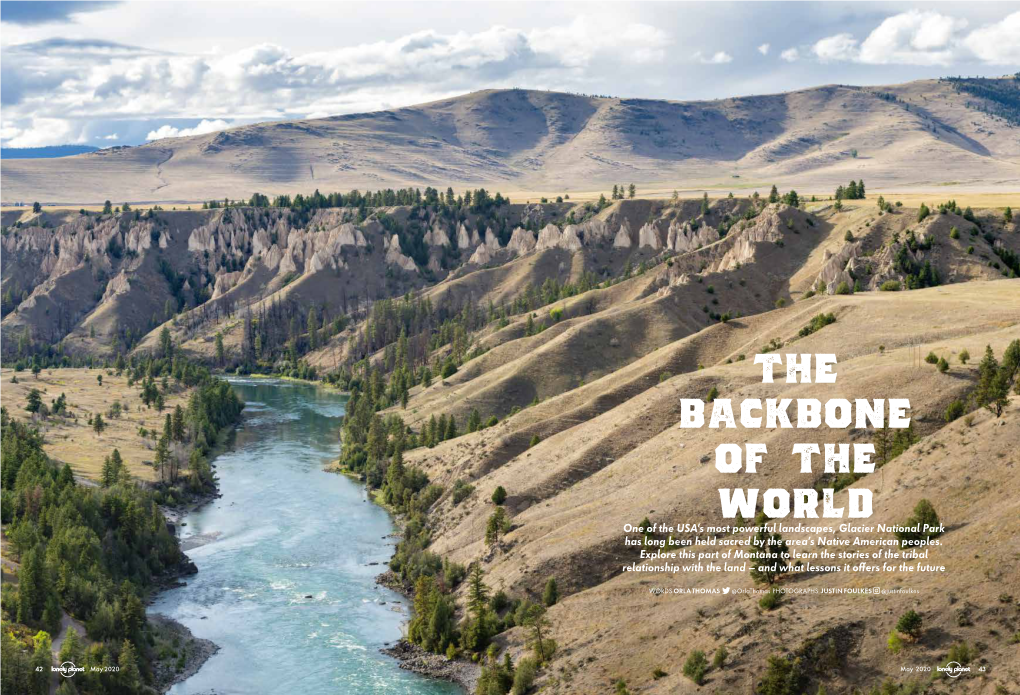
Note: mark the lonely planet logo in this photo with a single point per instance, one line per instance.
(953, 669)
(67, 669)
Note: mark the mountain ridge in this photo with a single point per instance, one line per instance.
(916, 135)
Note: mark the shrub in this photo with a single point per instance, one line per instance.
(713, 393)
(961, 653)
(890, 286)
(954, 410)
(922, 212)
(534, 440)
(524, 675)
(849, 236)
(780, 303)
(817, 323)
(771, 599)
(910, 624)
(449, 368)
(843, 288)
(782, 677)
(461, 491)
(964, 356)
(942, 365)
(954, 233)
(932, 358)
(499, 495)
(970, 250)
(556, 314)
(927, 521)
(665, 376)
(453, 573)
(695, 666)
(720, 657)
(894, 642)
(658, 673)
(492, 421)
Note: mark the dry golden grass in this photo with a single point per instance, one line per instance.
(73, 441)
(662, 191)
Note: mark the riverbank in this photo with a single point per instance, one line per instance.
(186, 656)
(291, 547)
(411, 657)
(187, 653)
(308, 382)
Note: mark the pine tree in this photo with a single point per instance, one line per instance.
(129, 676)
(34, 401)
(71, 649)
(478, 593)
(97, 423)
(499, 495)
(42, 661)
(162, 459)
(882, 446)
(313, 329)
(774, 194)
(177, 424)
(986, 391)
(770, 557)
(534, 618)
(551, 594)
(107, 477)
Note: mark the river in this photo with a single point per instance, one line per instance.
(284, 585)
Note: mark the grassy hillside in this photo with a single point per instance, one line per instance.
(913, 136)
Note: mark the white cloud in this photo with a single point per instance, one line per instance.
(169, 131)
(81, 81)
(838, 47)
(764, 49)
(40, 132)
(997, 44)
(926, 38)
(111, 136)
(913, 38)
(790, 55)
(717, 58)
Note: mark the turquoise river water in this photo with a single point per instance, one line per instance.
(284, 584)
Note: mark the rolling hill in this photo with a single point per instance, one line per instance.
(915, 136)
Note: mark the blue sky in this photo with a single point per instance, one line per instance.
(108, 73)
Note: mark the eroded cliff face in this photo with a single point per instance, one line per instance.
(99, 284)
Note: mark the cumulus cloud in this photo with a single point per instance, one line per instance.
(913, 38)
(926, 38)
(717, 58)
(40, 132)
(169, 131)
(997, 44)
(82, 79)
(764, 49)
(790, 55)
(838, 47)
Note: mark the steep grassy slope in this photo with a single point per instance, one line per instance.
(612, 452)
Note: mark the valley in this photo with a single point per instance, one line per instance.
(517, 376)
